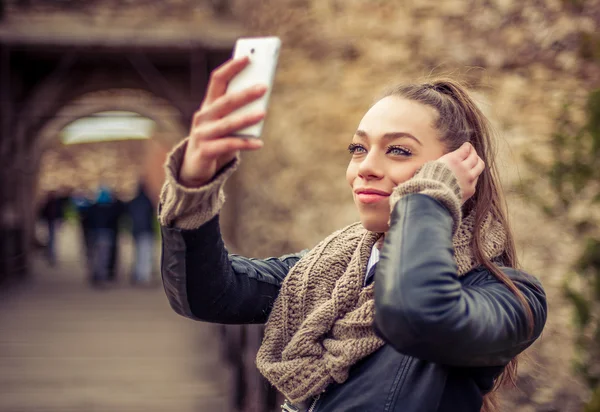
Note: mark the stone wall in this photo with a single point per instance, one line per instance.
(523, 60)
(129, 23)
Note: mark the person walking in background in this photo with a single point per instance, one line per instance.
(142, 215)
(83, 205)
(118, 209)
(52, 212)
(105, 215)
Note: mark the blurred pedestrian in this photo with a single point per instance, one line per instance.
(142, 215)
(52, 212)
(105, 216)
(83, 205)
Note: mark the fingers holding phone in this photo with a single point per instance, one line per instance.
(231, 116)
(220, 78)
(228, 103)
(210, 145)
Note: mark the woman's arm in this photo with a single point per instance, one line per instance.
(201, 279)
(203, 282)
(423, 309)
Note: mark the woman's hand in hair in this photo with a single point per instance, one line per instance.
(466, 165)
(210, 145)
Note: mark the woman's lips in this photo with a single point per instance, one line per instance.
(369, 198)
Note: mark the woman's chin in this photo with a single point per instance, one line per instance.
(373, 225)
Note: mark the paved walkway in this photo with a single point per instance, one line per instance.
(67, 347)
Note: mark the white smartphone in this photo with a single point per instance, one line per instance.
(264, 54)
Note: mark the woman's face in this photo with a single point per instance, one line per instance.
(394, 138)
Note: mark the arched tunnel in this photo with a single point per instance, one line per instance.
(72, 346)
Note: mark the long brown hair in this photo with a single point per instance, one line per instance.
(460, 121)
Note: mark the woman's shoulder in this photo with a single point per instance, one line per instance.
(529, 286)
(482, 274)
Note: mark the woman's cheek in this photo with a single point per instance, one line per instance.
(404, 175)
(351, 173)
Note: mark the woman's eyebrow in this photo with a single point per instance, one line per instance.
(389, 136)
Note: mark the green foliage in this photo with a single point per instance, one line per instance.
(572, 173)
(582, 307)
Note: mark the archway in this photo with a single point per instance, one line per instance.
(169, 129)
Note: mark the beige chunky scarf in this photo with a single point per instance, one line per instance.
(321, 322)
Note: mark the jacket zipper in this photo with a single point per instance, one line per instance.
(288, 407)
(314, 403)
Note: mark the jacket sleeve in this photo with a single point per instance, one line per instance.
(423, 309)
(204, 282)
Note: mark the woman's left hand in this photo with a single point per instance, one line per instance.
(466, 165)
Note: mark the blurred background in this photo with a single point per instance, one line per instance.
(94, 94)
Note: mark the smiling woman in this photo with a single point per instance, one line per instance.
(419, 307)
(386, 152)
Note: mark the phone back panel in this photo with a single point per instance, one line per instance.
(263, 53)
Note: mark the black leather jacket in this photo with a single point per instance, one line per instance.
(447, 337)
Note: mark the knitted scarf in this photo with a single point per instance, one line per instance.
(321, 322)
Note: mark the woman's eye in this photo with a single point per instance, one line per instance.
(356, 149)
(398, 151)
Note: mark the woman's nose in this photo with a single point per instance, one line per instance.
(370, 168)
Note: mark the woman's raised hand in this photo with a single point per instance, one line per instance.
(466, 165)
(210, 146)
